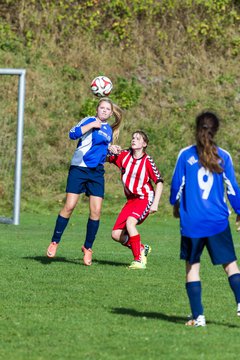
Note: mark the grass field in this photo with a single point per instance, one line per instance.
(60, 309)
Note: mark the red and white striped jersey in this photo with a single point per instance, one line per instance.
(136, 174)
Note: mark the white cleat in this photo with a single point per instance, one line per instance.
(199, 321)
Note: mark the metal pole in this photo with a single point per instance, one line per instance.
(18, 163)
(12, 71)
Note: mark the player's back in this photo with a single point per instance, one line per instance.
(203, 208)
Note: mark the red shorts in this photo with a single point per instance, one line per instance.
(137, 208)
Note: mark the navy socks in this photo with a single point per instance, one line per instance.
(194, 291)
(234, 282)
(92, 228)
(60, 226)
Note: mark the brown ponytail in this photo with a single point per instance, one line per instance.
(207, 124)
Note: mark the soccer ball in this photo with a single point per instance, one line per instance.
(101, 86)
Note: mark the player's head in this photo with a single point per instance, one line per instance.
(143, 136)
(104, 109)
(207, 125)
(117, 113)
(103, 100)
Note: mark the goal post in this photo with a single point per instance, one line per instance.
(19, 144)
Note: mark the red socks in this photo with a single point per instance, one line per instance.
(135, 242)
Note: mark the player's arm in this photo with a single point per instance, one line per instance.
(238, 222)
(177, 183)
(114, 149)
(157, 197)
(92, 125)
(233, 191)
(83, 127)
(113, 152)
(232, 188)
(176, 212)
(155, 175)
(116, 159)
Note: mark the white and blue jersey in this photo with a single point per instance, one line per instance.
(92, 147)
(203, 208)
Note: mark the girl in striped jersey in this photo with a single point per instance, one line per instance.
(86, 173)
(137, 171)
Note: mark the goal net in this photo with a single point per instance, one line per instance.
(12, 94)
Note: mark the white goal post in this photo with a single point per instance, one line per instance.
(18, 159)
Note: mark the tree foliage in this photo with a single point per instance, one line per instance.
(168, 59)
(207, 22)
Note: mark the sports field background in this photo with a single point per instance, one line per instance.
(167, 62)
(60, 309)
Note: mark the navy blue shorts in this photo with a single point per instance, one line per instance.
(86, 180)
(220, 248)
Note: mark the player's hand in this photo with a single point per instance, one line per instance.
(115, 149)
(176, 213)
(153, 209)
(97, 124)
(238, 222)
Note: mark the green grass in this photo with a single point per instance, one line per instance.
(60, 309)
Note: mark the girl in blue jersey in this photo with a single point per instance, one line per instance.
(202, 173)
(86, 173)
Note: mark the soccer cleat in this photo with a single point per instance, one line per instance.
(238, 309)
(87, 257)
(52, 249)
(145, 251)
(199, 321)
(135, 265)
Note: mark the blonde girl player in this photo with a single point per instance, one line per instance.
(138, 170)
(203, 175)
(86, 173)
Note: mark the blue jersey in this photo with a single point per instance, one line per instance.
(203, 208)
(92, 147)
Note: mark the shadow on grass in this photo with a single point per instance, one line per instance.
(107, 262)
(46, 261)
(164, 317)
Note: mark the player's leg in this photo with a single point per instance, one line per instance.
(125, 232)
(121, 236)
(233, 273)
(221, 250)
(138, 212)
(141, 208)
(135, 241)
(191, 250)
(61, 222)
(95, 206)
(75, 186)
(119, 231)
(145, 248)
(95, 190)
(194, 292)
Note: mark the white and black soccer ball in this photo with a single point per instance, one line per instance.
(101, 86)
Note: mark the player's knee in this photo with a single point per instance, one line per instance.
(95, 213)
(115, 235)
(231, 268)
(67, 210)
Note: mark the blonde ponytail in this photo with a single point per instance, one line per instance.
(117, 112)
